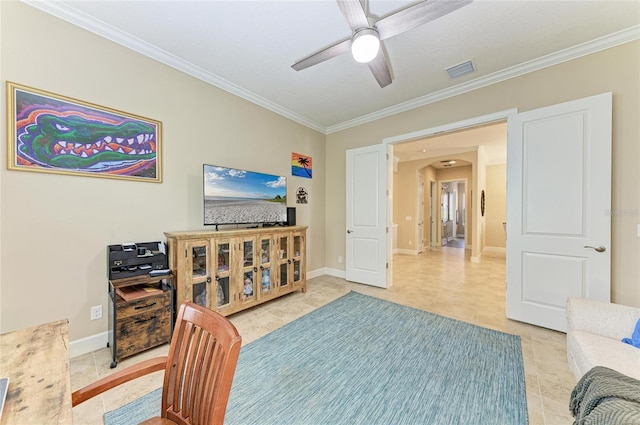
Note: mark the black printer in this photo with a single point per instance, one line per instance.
(135, 259)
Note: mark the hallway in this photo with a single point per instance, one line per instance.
(455, 243)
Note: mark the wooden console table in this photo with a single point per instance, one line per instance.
(36, 360)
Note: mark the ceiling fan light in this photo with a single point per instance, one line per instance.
(365, 45)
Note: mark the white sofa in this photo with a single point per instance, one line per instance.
(594, 333)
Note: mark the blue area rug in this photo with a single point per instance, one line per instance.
(362, 360)
(136, 411)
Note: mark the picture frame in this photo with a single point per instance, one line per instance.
(301, 165)
(52, 133)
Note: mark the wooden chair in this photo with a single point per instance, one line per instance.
(198, 371)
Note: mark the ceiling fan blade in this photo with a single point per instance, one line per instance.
(353, 11)
(323, 55)
(380, 69)
(416, 15)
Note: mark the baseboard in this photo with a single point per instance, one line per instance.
(316, 273)
(88, 344)
(476, 259)
(494, 251)
(335, 272)
(408, 251)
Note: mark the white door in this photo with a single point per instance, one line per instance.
(420, 213)
(367, 248)
(558, 198)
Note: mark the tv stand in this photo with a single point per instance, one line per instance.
(231, 270)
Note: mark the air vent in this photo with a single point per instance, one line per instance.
(461, 69)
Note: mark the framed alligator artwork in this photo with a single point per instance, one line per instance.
(57, 134)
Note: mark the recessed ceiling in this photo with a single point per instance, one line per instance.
(248, 47)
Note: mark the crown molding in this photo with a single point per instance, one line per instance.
(73, 16)
(587, 48)
(82, 20)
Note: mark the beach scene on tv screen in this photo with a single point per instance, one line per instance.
(239, 196)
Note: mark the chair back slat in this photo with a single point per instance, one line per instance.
(202, 361)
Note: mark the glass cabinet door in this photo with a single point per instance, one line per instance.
(297, 239)
(249, 270)
(200, 294)
(296, 261)
(283, 247)
(223, 255)
(283, 260)
(265, 265)
(198, 266)
(284, 274)
(222, 284)
(224, 292)
(247, 249)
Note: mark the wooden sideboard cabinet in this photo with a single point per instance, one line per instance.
(231, 270)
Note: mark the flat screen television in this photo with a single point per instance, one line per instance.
(233, 196)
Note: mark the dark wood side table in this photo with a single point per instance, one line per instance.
(143, 323)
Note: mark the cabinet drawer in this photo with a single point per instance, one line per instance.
(143, 331)
(126, 309)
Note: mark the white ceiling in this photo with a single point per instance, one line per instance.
(492, 138)
(248, 47)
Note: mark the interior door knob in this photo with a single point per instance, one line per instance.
(598, 248)
(349, 231)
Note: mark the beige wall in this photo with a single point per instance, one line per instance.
(405, 201)
(55, 228)
(429, 174)
(614, 70)
(496, 205)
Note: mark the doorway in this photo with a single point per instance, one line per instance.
(454, 213)
(475, 141)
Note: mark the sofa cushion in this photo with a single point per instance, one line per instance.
(588, 350)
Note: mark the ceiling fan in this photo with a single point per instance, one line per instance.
(364, 42)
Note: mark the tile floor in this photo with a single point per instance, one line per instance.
(441, 281)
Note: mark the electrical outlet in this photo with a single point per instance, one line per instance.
(340, 259)
(96, 312)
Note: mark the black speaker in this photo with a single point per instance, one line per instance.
(291, 216)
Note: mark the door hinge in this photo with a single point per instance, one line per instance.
(387, 265)
(387, 157)
(387, 229)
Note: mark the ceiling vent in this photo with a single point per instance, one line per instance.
(461, 69)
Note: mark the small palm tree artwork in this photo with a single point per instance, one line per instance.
(301, 165)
